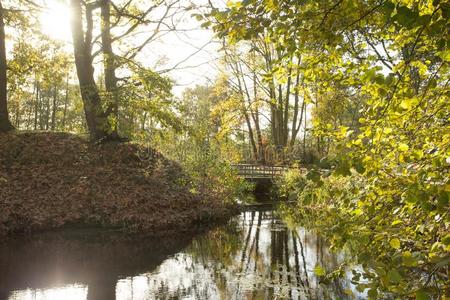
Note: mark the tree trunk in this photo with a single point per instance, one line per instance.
(294, 121)
(47, 111)
(96, 119)
(318, 138)
(66, 103)
(54, 107)
(273, 116)
(286, 109)
(29, 113)
(261, 150)
(36, 104)
(250, 135)
(280, 116)
(297, 130)
(260, 157)
(18, 115)
(304, 134)
(144, 120)
(243, 94)
(109, 64)
(5, 124)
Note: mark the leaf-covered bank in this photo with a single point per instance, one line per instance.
(55, 180)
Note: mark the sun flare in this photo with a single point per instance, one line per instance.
(55, 21)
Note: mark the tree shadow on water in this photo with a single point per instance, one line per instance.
(93, 259)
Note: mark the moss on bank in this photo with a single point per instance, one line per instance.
(55, 180)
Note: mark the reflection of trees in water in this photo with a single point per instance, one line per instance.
(218, 246)
(267, 261)
(255, 256)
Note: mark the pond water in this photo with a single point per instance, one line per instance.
(254, 256)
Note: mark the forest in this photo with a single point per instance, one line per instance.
(107, 121)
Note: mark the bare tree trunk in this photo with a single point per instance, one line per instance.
(144, 120)
(273, 115)
(5, 124)
(254, 114)
(96, 119)
(294, 120)
(286, 109)
(250, 135)
(238, 74)
(280, 116)
(319, 150)
(54, 107)
(304, 133)
(17, 118)
(302, 116)
(66, 103)
(261, 150)
(109, 64)
(30, 113)
(36, 104)
(272, 98)
(47, 112)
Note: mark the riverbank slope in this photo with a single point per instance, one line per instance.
(57, 180)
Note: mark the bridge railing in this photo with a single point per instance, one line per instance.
(259, 171)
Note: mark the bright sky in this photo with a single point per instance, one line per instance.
(189, 49)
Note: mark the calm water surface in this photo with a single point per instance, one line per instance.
(254, 256)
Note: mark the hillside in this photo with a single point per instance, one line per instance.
(56, 180)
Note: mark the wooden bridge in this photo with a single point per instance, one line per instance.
(251, 171)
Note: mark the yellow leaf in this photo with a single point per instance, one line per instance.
(403, 147)
(445, 55)
(395, 243)
(396, 222)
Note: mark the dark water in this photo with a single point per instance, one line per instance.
(254, 256)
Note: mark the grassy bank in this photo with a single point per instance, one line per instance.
(57, 180)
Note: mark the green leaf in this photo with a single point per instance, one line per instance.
(372, 293)
(361, 288)
(313, 175)
(359, 167)
(394, 276)
(442, 262)
(405, 16)
(349, 292)
(343, 168)
(422, 295)
(443, 199)
(446, 240)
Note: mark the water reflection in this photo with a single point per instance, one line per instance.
(255, 256)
